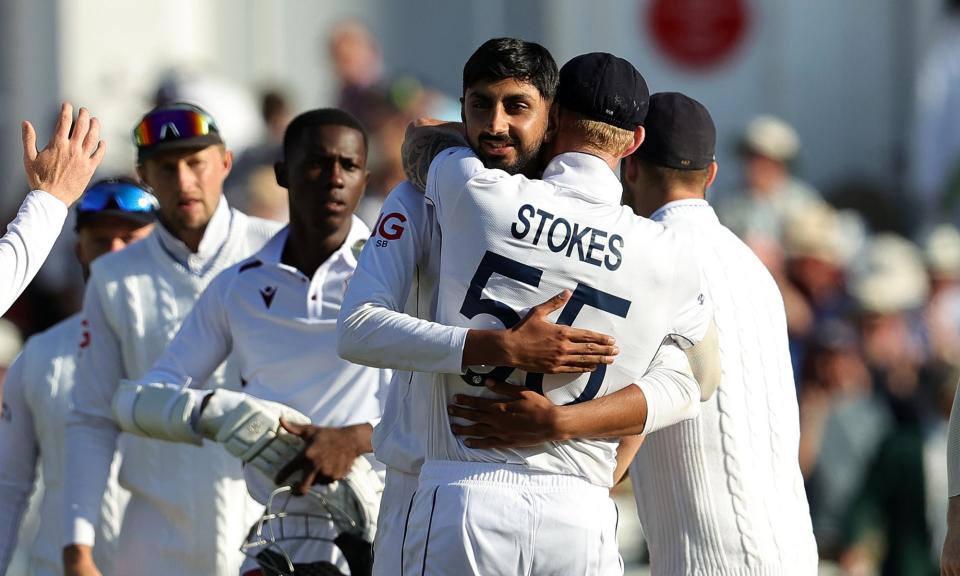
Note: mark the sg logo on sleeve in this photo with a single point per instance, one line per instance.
(389, 227)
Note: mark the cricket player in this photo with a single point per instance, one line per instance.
(57, 175)
(737, 503)
(629, 277)
(721, 494)
(188, 506)
(277, 312)
(110, 215)
(386, 317)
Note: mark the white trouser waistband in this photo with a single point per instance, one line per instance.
(456, 472)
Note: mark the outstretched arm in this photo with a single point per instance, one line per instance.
(58, 174)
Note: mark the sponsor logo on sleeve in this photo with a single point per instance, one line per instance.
(389, 227)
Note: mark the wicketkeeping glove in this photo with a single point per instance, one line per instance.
(249, 428)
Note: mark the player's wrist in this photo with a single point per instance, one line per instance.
(488, 347)
(562, 423)
(360, 437)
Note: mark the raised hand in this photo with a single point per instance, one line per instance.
(66, 164)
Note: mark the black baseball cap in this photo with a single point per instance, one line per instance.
(680, 133)
(605, 88)
(175, 126)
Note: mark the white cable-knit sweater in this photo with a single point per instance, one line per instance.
(189, 510)
(722, 494)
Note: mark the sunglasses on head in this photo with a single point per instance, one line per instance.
(173, 124)
(117, 194)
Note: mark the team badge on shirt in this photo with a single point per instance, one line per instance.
(267, 293)
(357, 247)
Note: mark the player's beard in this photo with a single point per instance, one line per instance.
(520, 164)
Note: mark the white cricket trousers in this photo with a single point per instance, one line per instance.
(398, 490)
(484, 519)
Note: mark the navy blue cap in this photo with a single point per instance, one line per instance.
(605, 88)
(680, 133)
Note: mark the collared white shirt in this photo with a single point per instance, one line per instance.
(214, 237)
(281, 327)
(510, 243)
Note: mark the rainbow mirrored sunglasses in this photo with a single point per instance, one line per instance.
(115, 194)
(174, 123)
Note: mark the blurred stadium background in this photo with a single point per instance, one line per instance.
(846, 185)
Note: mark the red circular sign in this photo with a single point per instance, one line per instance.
(697, 33)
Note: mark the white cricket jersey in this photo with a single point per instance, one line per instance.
(386, 321)
(35, 405)
(723, 494)
(27, 243)
(188, 507)
(281, 327)
(509, 243)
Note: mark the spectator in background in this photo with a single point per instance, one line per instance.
(247, 189)
(813, 275)
(772, 194)
(834, 372)
(941, 252)
(888, 285)
(935, 141)
(358, 64)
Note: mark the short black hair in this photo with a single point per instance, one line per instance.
(502, 58)
(322, 117)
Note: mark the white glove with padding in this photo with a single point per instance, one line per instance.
(157, 410)
(249, 428)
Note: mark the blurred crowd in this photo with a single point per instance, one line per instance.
(873, 315)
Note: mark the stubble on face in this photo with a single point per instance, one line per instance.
(506, 121)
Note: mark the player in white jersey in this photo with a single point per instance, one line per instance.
(112, 214)
(57, 175)
(721, 494)
(277, 313)
(508, 85)
(177, 519)
(507, 240)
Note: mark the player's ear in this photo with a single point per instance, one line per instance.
(638, 135)
(711, 173)
(280, 171)
(463, 116)
(553, 123)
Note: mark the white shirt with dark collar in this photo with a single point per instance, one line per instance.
(509, 243)
(723, 494)
(281, 327)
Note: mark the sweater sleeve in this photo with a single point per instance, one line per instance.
(27, 243)
(91, 430)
